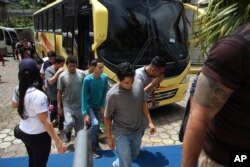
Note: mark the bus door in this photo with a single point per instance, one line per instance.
(85, 38)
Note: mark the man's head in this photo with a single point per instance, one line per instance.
(91, 66)
(71, 63)
(25, 43)
(98, 67)
(59, 62)
(157, 67)
(51, 55)
(125, 75)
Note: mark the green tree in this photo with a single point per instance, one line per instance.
(17, 21)
(219, 19)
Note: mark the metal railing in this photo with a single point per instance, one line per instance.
(83, 150)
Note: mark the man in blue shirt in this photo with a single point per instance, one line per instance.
(94, 91)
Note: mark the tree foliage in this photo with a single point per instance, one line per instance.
(219, 19)
(13, 20)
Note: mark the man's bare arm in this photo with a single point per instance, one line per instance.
(59, 102)
(210, 96)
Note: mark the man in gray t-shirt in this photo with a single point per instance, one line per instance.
(51, 76)
(152, 74)
(125, 106)
(69, 87)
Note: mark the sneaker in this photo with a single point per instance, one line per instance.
(95, 154)
(98, 147)
(114, 164)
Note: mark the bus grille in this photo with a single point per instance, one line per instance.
(163, 95)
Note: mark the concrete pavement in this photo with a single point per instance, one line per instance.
(166, 119)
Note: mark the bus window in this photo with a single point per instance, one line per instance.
(67, 42)
(45, 21)
(41, 22)
(58, 20)
(36, 22)
(50, 21)
(68, 27)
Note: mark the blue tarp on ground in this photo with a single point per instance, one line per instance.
(149, 157)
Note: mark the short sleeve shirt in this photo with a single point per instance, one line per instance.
(71, 86)
(35, 102)
(125, 107)
(228, 63)
(51, 89)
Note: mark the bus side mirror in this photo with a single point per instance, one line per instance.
(100, 23)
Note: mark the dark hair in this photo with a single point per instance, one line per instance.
(71, 59)
(125, 70)
(59, 59)
(158, 62)
(27, 79)
(51, 54)
(39, 61)
(95, 61)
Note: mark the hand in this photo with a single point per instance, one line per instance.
(111, 143)
(86, 120)
(61, 69)
(59, 111)
(157, 80)
(152, 128)
(61, 148)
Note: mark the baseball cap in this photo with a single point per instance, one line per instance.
(28, 64)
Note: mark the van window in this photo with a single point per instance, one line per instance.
(13, 35)
(1, 35)
(7, 38)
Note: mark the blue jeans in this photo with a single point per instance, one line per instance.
(95, 117)
(127, 148)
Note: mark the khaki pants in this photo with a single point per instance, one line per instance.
(206, 161)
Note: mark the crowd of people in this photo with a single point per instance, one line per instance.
(55, 93)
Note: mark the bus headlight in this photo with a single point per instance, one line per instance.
(185, 79)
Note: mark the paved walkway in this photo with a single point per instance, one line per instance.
(167, 119)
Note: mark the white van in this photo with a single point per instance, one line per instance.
(7, 37)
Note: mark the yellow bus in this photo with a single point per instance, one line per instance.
(118, 31)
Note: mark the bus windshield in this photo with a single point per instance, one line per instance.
(140, 30)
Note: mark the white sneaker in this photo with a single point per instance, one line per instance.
(116, 163)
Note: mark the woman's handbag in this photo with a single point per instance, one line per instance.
(18, 133)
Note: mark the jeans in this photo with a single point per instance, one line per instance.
(95, 117)
(128, 148)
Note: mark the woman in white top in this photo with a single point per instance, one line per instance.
(32, 106)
